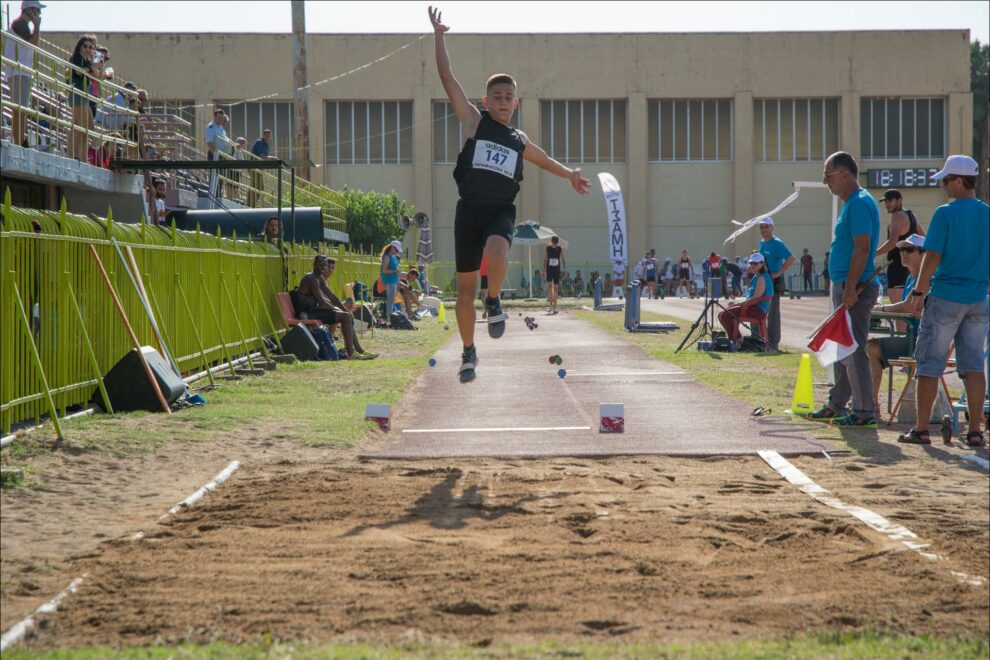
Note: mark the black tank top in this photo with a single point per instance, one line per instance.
(553, 257)
(894, 256)
(489, 167)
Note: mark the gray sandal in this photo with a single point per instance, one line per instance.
(915, 437)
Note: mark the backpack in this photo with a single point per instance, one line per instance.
(328, 351)
(294, 297)
(399, 321)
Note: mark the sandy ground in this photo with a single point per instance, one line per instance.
(320, 545)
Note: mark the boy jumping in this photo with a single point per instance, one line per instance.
(488, 172)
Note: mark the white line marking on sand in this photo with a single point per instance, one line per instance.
(21, 628)
(889, 529)
(571, 374)
(198, 495)
(501, 430)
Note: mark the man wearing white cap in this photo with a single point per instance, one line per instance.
(779, 258)
(20, 78)
(884, 349)
(955, 274)
(854, 246)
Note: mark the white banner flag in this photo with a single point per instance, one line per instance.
(618, 250)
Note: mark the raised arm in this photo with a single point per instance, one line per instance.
(466, 112)
(534, 154)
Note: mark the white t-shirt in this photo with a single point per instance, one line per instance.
(14, 49)
(160, 212)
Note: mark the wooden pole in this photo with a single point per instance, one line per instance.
(130, 331)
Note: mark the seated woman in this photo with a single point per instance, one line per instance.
(757, 302)
(884, 349)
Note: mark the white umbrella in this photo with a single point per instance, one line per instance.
(530, 233)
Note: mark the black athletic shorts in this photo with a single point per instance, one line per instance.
(896, 276)
(553, 274)
(473, 224)
(684, 273)
(323, 314)
(651, 278)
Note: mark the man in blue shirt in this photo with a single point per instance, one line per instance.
(262, 147)
(854, 247)
(778, 258)
(955, 274)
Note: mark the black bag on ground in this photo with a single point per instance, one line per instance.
(128, 386)
(299, 342)
(399, 321)
(751, 344)
(328, 350)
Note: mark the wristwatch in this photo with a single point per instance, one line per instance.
(917, 293)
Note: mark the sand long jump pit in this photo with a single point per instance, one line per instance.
(482, 551)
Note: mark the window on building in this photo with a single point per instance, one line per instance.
(448, 137)
(248, 120)
(368, 132)
(686, 130)
(584, 131)
(894, 129)
(795, 129)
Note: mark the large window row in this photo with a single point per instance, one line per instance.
(584, 131)
(684, 130)
(795, 129)
(902, 128)
(368, 132)
(248, 120)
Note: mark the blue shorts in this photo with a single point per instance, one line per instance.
(943, 322)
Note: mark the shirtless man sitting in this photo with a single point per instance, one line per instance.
(317, 301)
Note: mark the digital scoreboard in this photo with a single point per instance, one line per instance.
(911, 177)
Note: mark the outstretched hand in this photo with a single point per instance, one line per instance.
(435, 19)
(579, 183)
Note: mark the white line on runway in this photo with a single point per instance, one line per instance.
(891, 530)
(571, 374)
(501, 430)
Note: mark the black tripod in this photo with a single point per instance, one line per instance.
(706, 320)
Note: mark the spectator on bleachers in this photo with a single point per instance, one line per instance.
(82, 113)
(262, 146)
(273, 230)
(239, 148)
(20, 80)
(160, 212)
(111, 117)
(578, 284)
(151, 152)
(215, 131)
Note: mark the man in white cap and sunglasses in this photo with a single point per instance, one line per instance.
(952, 291)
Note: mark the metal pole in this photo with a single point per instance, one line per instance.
(300, 97)
(292, 201)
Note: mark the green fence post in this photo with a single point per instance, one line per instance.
(268, 316)
(257, 321)
(36, 357)
(89, 345)
(216, 319)
(195, 330)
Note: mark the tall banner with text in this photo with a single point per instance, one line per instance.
(618, 250)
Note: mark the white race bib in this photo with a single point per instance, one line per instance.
(495, 158)
(552, 261)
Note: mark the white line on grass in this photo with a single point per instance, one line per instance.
(889, 529)
(21, 628)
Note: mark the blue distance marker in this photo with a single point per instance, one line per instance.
(561, 372)
(433, 362)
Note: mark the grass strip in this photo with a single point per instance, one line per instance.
(837, 645)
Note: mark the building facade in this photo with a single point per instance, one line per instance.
(698, 129)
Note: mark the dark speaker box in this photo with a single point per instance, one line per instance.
(299, 341)
(128, 387)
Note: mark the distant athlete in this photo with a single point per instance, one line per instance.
(553, 265)
(488, 172)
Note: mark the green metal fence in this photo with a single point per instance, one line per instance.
(214, 299)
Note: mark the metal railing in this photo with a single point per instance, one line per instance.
(213, 299)
(49, 117)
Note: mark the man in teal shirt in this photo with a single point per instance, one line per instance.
(778, 258)
(854, 247)
(955, 274)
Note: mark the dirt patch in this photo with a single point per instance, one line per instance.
(324, 547)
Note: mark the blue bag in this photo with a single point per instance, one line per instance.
(327, 349)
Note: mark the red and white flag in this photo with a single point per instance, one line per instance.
(833, 340)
